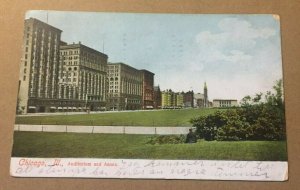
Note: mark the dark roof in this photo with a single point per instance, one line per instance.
(34, 20)
(79, 45)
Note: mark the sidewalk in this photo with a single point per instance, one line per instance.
(161, 130)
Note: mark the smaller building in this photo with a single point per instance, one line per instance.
(157, 97)
(171, 100)
(167, 97)
(188, 99)
(198, 100)
(220, 103)
(179, 100)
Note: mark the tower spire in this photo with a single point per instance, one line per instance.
(205, 95)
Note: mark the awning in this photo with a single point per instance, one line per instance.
(65, 108)
(60, 108)
(149, 106)
(74, 108)
(31, 107)
(52, 107)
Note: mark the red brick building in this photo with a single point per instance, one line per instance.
(147, 89)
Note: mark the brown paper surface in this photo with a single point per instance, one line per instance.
(12, 17)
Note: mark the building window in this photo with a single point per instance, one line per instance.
(25, 63)
(25, 70)
(24, 78)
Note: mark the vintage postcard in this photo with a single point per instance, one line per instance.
(160, 96)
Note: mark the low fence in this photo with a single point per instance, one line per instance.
(162, 130)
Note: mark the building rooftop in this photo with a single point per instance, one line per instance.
(224, 100)
(34, 20)
(80, 45)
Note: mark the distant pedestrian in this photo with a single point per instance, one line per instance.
(191, 137)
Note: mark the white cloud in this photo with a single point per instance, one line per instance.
(234, 33)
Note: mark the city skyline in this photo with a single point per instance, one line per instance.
(232, 53)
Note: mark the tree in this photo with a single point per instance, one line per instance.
(257, 119)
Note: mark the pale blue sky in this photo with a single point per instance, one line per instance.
(236, 55)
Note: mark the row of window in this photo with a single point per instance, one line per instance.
(69, 52)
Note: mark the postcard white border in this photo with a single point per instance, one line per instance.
(149, 169)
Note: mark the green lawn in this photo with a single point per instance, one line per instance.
(137, 118)
(41, 144)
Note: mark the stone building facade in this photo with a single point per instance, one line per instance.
(221, 103)
(38, 78)
(125, 86)
(82, 78)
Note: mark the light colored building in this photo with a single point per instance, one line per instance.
(198, 100)
(201, 100)
(170, 99)
(167, 97)
(179, 100)
(125, 87)
(219, 103)
(148, 89)
(82, 78)
(39, 67)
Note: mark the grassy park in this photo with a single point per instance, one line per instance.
(135, 118)
(41, 144)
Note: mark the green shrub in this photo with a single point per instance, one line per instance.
(166, 139)
(255, 120)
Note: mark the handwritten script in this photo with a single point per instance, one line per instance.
(155, 169)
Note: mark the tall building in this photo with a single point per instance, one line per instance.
(82, 78)
(148, 89)
(39, 67)
(157, 98)
(125, 87)
(206, 102)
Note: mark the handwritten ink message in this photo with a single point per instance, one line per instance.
(154, 169)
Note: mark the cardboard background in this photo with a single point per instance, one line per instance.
(11, 33)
